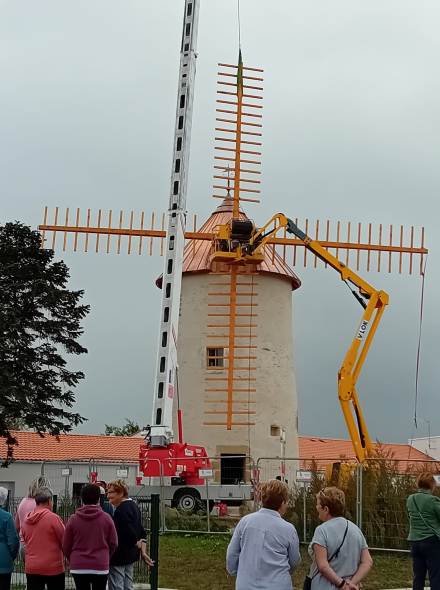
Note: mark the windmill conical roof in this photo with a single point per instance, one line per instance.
(197, 252)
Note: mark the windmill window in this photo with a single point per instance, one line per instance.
(179, 143)
(186, 48)
(188, 29)
(180, 125)
(215, 357)
(189, 10)
(275, 430)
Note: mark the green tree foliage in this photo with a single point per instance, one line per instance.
(40, 319)
(129, 429)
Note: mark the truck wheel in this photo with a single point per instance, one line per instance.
(187, 501)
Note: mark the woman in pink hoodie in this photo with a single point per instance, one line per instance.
(43, 532)
(89, 541)
(28, 504)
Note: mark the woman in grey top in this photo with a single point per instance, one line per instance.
(340, 554)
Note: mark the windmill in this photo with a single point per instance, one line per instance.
(230, 406)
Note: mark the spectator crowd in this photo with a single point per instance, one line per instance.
(104, 538)
(101, 541)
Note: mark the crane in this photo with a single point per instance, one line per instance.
(373, 302)
(160, 454)
(241, 242)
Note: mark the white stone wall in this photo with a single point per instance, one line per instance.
(428, 445)
(276, 396)
(19, 474)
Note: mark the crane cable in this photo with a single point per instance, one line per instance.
(419, 342)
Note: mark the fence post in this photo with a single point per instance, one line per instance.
(304, 513)
(207, 505)
(154, 540)
(359, 495)
(163, 524)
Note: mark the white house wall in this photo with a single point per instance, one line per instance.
(19, 474)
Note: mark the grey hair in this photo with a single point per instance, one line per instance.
(39, 482)
(3, 496)
(43, 495)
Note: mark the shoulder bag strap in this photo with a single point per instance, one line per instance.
(422, 517)
(336, 553)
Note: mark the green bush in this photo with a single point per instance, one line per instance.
(180, 521)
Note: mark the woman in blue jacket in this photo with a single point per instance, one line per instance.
(9, 543)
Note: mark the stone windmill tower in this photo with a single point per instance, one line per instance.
(259, 418)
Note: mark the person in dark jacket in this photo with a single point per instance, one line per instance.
(9, 543)
(89, 541)
(131, 537)
(424, 532)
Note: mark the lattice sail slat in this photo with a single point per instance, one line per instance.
(363, 246)
(238, 134)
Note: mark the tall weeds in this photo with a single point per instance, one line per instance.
(384, 487)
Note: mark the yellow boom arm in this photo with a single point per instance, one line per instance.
(269, 230)
(240, 242)
(374, 303)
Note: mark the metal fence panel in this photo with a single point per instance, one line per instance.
(65, 507)
(376, 494)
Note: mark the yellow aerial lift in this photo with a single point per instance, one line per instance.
(239, 241)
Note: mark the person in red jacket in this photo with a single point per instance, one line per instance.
(89, 541)
(43, 532)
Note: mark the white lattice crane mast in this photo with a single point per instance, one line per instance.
(160, 448)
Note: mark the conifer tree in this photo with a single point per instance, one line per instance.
(40, 322)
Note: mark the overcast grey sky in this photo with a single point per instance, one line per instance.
(351, 132)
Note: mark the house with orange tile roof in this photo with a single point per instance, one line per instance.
(323, 451)
(69, 459)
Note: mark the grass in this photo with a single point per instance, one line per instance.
(198, 561)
